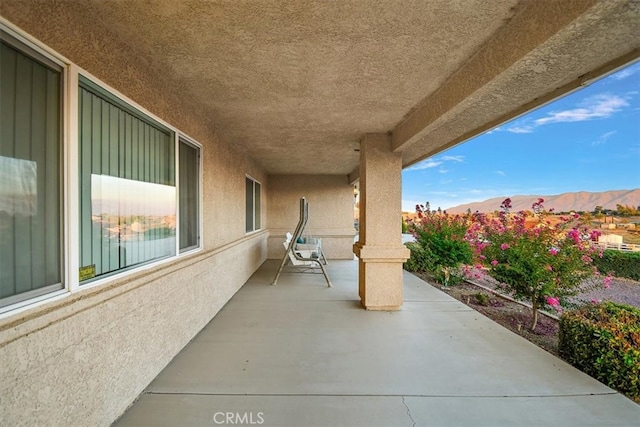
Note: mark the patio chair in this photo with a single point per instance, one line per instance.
(308, 253)
(307, 247)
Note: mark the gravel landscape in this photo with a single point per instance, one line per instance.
(625, 291)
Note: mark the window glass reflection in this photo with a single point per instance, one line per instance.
(133, 221)
(18, 186)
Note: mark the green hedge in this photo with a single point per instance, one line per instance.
(419, 261)
(621, 264)
(603, 340)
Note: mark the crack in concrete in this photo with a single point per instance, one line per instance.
(408, 412)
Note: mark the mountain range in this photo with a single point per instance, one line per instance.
(565, 202)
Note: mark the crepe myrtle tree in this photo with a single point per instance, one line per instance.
(442, 245)
(535, 258)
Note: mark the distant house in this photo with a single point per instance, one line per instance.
(628, 226)
(610, 238)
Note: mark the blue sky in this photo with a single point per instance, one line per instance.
(586, 141)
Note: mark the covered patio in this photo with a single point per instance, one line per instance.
(237, 109)
(303, 354)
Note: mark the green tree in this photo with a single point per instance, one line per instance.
(627, 210)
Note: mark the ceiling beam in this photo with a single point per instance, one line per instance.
(533, 23)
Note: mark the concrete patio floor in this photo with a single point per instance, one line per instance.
(301, 354)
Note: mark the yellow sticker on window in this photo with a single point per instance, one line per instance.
(87, 272)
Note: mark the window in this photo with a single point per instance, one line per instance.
(252, 205)
(189, 190)
(129, 208)
(30, 173)
(127, 186)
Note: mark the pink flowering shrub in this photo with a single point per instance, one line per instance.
(441, 244)
(554, 303)
(533, 258)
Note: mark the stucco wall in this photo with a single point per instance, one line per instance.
(331, 205)
(83, 359)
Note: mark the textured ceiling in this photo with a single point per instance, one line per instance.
(296, 84)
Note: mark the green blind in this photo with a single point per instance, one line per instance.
(189, 196)
(127, 185)
(252, 206)
(30, 175)
(256, 205)
(249, 205)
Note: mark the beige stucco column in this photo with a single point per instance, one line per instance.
(380, 250)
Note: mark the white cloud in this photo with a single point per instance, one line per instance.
(623, 74)
(597, 107)
(435, 162)
(501, 173)
(603, 138)
(521, 129)
(626, 72)
(426, 164)
(459, 159)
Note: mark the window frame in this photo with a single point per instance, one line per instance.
(182, 138)
(32, 49)
(111, 99)
(255, 183)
